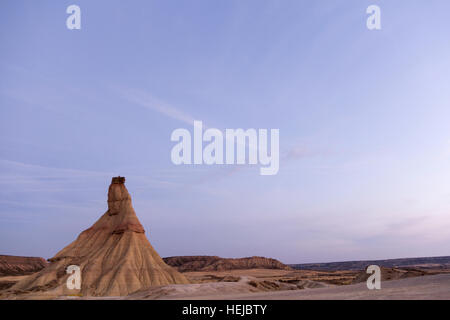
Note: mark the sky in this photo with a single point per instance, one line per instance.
(362, 114)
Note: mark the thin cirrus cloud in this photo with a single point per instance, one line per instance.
(148, 101)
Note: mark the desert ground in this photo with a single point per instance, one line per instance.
(268, 284)
(435, 287)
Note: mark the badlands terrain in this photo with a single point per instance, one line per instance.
(116, 261)
(425, 281)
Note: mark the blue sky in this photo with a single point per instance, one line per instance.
(363, 118)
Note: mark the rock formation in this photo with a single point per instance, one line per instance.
(114, 256)
(18, 266)
(214, 263)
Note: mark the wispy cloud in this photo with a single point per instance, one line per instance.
(148, 101)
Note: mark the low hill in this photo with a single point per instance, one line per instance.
(214, 263)
(17, 266)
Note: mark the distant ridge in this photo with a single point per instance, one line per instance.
(17, 266)
(423, 262)
(214, 263)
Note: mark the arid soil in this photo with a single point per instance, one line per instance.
(436, 287)
(263, 288)
(282, 276)
(279, 285)
(8, 281)
(285, 284)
